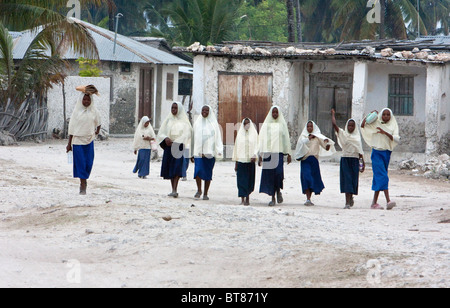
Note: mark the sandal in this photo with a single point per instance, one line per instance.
(205, 197)
(279, 197)
(376, 206)
(271, 203)
(198, 195)
(309, 203)
(83, 190)
(391, 205)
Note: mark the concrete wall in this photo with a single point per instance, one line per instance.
(444, 118)
(123, 97)
(206, 76)
(437, 110)
(291, 91)
(166, 104)
(412, 128)
(124, 94)
(55, 100)
(290, 83)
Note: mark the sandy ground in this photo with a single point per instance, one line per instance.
(115, 235)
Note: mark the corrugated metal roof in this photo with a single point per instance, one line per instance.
(127, 49)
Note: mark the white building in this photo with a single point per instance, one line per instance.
(244, 79)
(137, 79)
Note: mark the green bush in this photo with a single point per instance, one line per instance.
(88, 68)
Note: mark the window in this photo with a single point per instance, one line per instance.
(169, 87)
(401, 94)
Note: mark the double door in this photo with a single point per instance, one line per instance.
(327, 91)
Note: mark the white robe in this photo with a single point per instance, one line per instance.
(350, 143)
(380, 141)
(207, 136)
(84, 122)
(246, 145)
(274, 135)
(142, 132)
(177, 128)
(315, 147)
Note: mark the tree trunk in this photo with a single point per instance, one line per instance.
(299, 21)
(382, 18)
(291, 20)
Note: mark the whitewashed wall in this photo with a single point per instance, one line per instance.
(206, 79)
(412, 128)
(437, 110)
(291, 90)
(166, 104)
(55, 100)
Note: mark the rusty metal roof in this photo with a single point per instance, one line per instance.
(127, 49)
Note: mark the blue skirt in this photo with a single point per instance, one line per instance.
(204, 168)
(349, 175)
(83, 160)
(143, 163)
(245, 178)
(272, 175)
(310, 176)
(380, 165)
(172, 166)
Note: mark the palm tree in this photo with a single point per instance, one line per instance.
(204, 21)
(133, 21)
(396, 15)
(317, 17)
(290, 20)
(435, 15)
(23, 87)
(51, 16)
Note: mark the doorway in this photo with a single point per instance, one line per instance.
(327, 91)
(243, 95)
(145, 93)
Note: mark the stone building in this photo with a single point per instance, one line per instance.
(142, 79)
(243, 79)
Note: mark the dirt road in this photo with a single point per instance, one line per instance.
(116, 236)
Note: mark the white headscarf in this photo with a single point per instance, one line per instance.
(176, 127)
(350, 143)
(377, 140)
(246, 145)
(302, 147)
(274, 134)
(84, 121)
(141, 133)
(207, 136)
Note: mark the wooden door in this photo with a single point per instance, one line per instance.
(330, 90)
(256, 98)
(145, 93)
(230, 100)
(243, 96)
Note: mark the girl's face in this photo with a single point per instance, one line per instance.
(174, 109)
(275, 113)
(86, 100)
(351, 126)
(146, 124)
(205, 111)
(246, 124)
(310, 127)
(386, 116)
